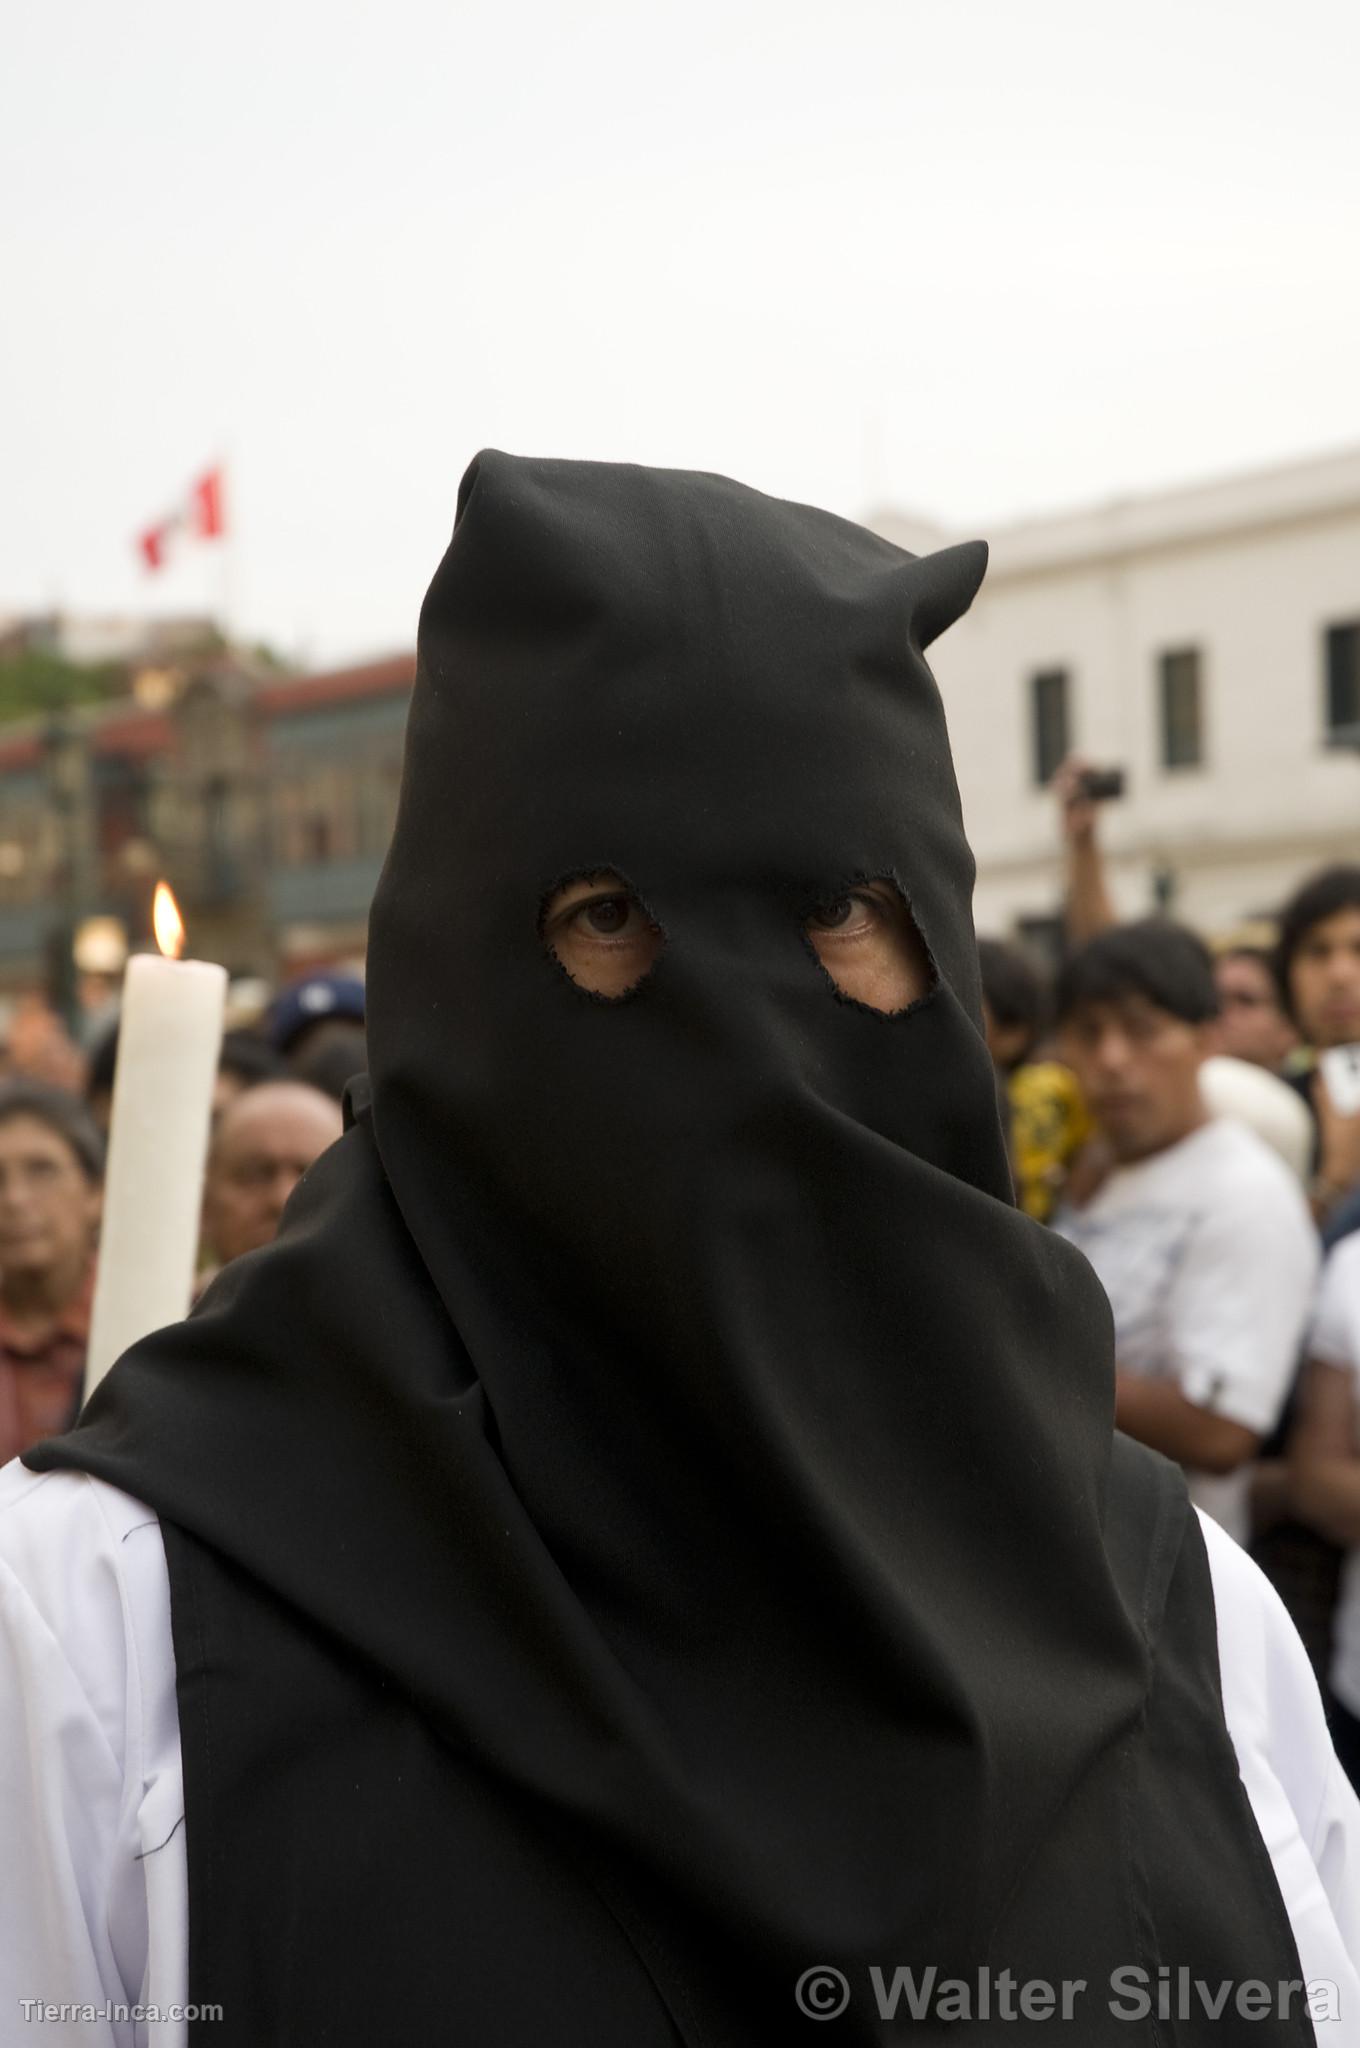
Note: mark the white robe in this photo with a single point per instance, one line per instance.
(93, 1884)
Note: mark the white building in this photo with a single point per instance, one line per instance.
(1207, 641)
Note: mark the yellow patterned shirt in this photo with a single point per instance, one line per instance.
(1049, 1125)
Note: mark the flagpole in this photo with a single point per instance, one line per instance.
(227, 543)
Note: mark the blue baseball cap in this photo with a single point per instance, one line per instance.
(312, 1001)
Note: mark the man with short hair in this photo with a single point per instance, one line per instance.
(1253, 1024)
(264, 1142)
(1316, 965)
(1200, 1236)
(51, 1176)
(1317, 968)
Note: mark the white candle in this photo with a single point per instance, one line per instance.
(169, 1043)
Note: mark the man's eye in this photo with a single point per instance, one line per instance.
(845, 913)
(607, 916)
(829, 915)
(602, 934)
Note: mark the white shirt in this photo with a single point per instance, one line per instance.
(1335, 1340)
(1253, 1096)
(93, 1884)
(1209, 1256)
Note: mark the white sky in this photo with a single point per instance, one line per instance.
(974, 256)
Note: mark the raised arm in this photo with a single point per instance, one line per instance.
(1088, 909)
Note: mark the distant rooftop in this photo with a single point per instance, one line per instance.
(93, 638)
(1285, 494)
(334, 686)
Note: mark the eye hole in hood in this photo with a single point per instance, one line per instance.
(601, 933)
(865, 938)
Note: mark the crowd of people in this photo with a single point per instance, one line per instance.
(276, 1107)
(1173, 1111)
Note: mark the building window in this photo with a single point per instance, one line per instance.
(289, 828)
(320, 834)
(1048, 694)
(1343, 681)
(1182, 709)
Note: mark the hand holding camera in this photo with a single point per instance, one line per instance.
(1080, 789)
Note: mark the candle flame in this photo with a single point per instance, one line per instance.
(167, 923)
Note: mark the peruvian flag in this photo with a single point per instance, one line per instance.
(201, 515)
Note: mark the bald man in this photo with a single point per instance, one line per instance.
(264, 1143)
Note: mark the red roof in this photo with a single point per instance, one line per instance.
(141, 733)
(310, 693)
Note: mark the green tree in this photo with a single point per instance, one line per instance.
(34, 683)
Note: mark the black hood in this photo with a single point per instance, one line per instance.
(665, 1392)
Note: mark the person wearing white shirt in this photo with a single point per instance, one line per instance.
(1321, 1477)
(1200, 1236)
